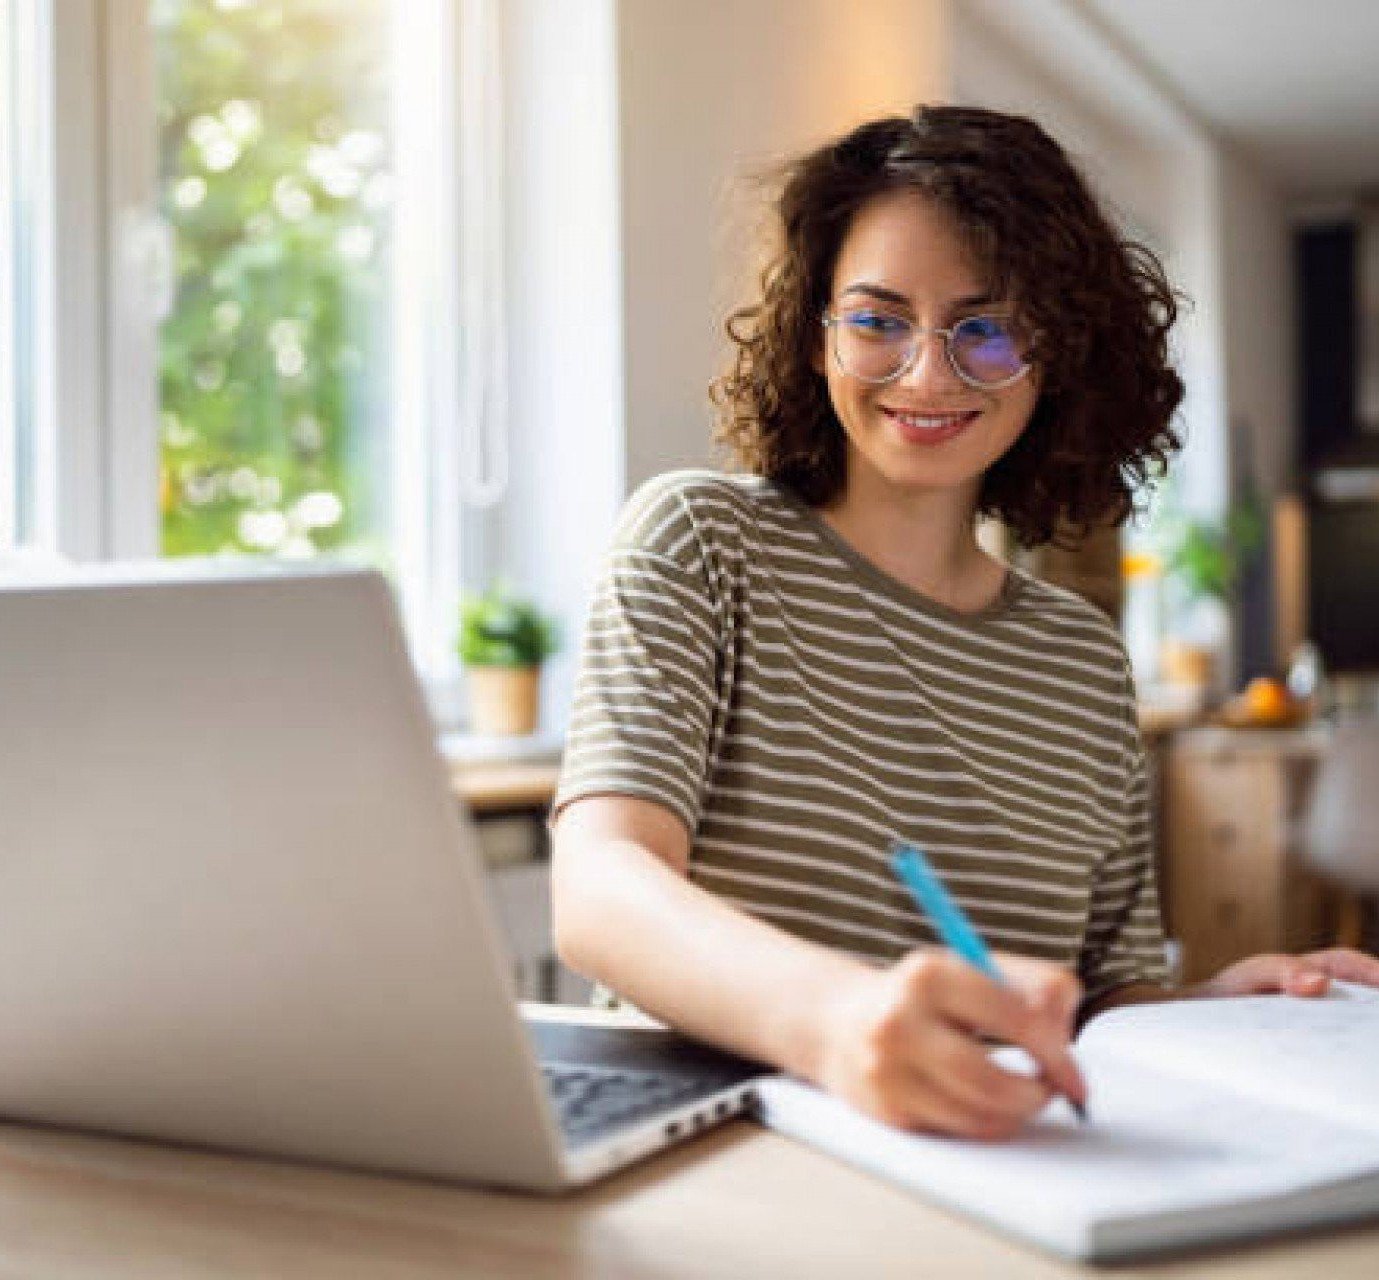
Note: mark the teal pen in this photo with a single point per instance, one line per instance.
(952, 924)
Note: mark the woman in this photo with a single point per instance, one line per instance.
(787, 670)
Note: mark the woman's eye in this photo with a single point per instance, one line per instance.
(876, 323)
(985, 327)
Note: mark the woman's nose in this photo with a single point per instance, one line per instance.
(931, 367)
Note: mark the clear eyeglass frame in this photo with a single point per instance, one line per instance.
(917, 334)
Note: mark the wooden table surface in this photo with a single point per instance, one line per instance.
(738, 1202)
(505, 786)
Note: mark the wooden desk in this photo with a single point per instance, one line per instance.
(739, 1203)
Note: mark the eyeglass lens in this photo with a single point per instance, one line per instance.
(875, 347)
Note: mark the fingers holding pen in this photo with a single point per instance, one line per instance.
(905, 1045)
(921, 1074)
(960, 1070)
(1033, 1009)
(922, 1103)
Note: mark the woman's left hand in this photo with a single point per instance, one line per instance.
(1304, 975)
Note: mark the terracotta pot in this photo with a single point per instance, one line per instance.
(504, 700)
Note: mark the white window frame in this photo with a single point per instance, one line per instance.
(9, 479)
(32, 165)
(97, 481)
(64, 347)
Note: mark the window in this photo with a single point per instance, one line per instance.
(275, 327)
(20, 261)
(275, 183)
(9, 472)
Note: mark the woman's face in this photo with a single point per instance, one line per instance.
(927, 430)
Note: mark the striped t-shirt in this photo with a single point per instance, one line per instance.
(799, 710)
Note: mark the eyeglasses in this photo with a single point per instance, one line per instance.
(879, 347)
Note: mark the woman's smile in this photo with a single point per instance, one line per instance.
(929, 427)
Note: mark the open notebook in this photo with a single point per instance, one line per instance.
(1211, 1120)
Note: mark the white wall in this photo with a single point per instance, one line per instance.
(1129, 170)
(1257, 283)
(564, 313)
(1194, 263)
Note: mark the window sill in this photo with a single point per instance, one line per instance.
(463, 748)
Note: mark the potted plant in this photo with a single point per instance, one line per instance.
(1202, 562)
(503, 641)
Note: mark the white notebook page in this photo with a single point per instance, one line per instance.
(1318, 1053)
(1155, 1144)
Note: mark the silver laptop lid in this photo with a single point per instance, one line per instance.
(238, 903)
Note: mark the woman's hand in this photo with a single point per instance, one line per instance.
(902, 1044)
(1304, 975)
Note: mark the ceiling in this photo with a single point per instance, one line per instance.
(1294, 83)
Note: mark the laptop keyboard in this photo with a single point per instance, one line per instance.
(591, 1100)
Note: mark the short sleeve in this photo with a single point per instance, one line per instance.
(1124, 942)
(646, 694)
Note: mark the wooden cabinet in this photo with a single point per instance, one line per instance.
(1234, 883)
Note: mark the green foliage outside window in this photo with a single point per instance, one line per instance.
(275, 177)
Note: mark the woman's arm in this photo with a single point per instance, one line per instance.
(626, 914)
(901, 1043)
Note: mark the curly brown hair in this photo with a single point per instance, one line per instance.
(1100, 306)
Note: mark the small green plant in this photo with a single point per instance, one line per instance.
(498, 629)
(1206, 557)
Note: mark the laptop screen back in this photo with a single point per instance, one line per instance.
(238, 903)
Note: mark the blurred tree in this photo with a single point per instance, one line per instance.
(275, 178)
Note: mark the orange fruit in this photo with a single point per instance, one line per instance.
(1267, 699)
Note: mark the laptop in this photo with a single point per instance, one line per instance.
(240, 905)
